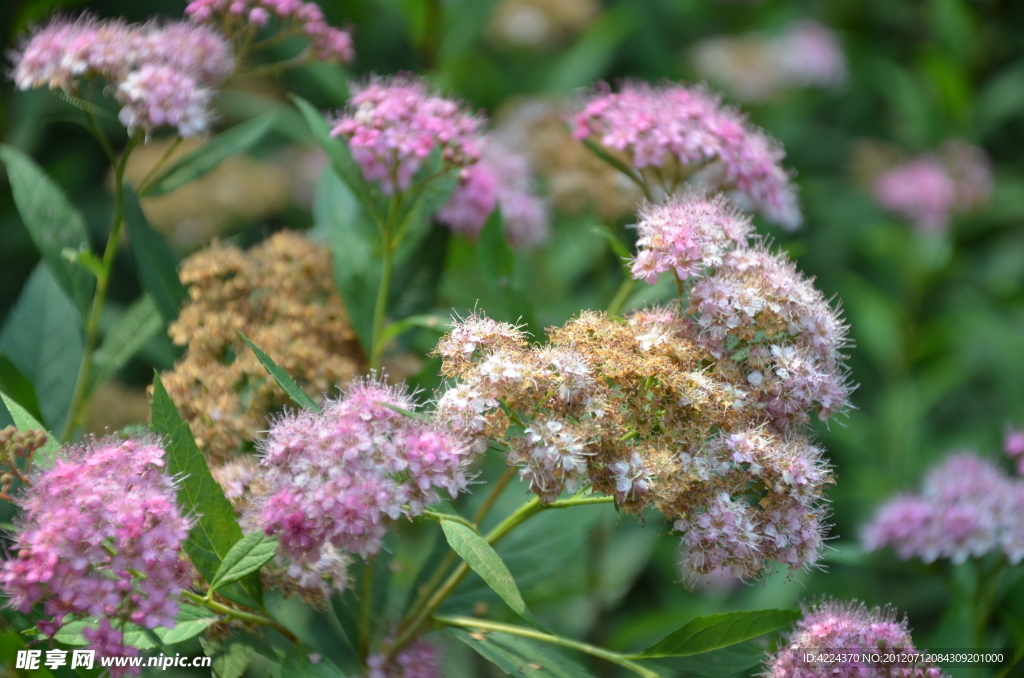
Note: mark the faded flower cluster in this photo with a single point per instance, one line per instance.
(755, 67)
(280, 294)
(337, 477)
(857, 633)
(394, 124)
(162, 74)
(654, 410)
(242, 18)
(929, 189)
(967, 508)
(101, 537)
(676, 135)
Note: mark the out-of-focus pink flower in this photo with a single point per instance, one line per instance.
(154, 96)
(1013, 446)
(502, 178)
(754, 67)
(418, 659)
(164, 74)
(930, 189)
(967, 508)
(678, 134)
(303, 18)
(394, 124)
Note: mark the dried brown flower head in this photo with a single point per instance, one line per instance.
(280, 294)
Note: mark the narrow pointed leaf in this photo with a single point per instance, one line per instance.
(485, 561)
(521, 657)
(52, 223)
(155, 261)
(704, 634)
(248, 555)
(337, 152)
(216, 531)
(204, 158)
(294, 391)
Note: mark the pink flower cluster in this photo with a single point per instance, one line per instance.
(732, 535)
(502, 178)
(304, 18)
(418, 659)
(162, 74)
(931, 188)
(102, 537)
(677, 134)
(687, 236)
(851, 629)
(749, 303)
(394, 124)
(336, 477)
(967, 508)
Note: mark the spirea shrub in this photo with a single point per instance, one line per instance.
(288, 488)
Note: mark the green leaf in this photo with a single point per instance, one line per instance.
(190, 622)
(616, 245)
(52, 223)
(496, 263)
(230, 659)
(155, 261)
(207, 156)
(355, 251)
(216, 531)
(24, 421)
(300, 397)
(18, 387)
(43, 338)
(704, 634)
(730, 661)
(338, 153)
(298, 665)
(133, 330)
(486, 562)
(252, 552)
(521, 657)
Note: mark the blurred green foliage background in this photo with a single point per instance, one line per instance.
(938, 322)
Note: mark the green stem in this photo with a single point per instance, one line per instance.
(439, 517)
(364, 610)
(496, 491)
(449, 559)
(520, 515)
(377, 342)
(144, 184)
(628, 283)
(92, 326)
(242, 616)
(511, 629)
